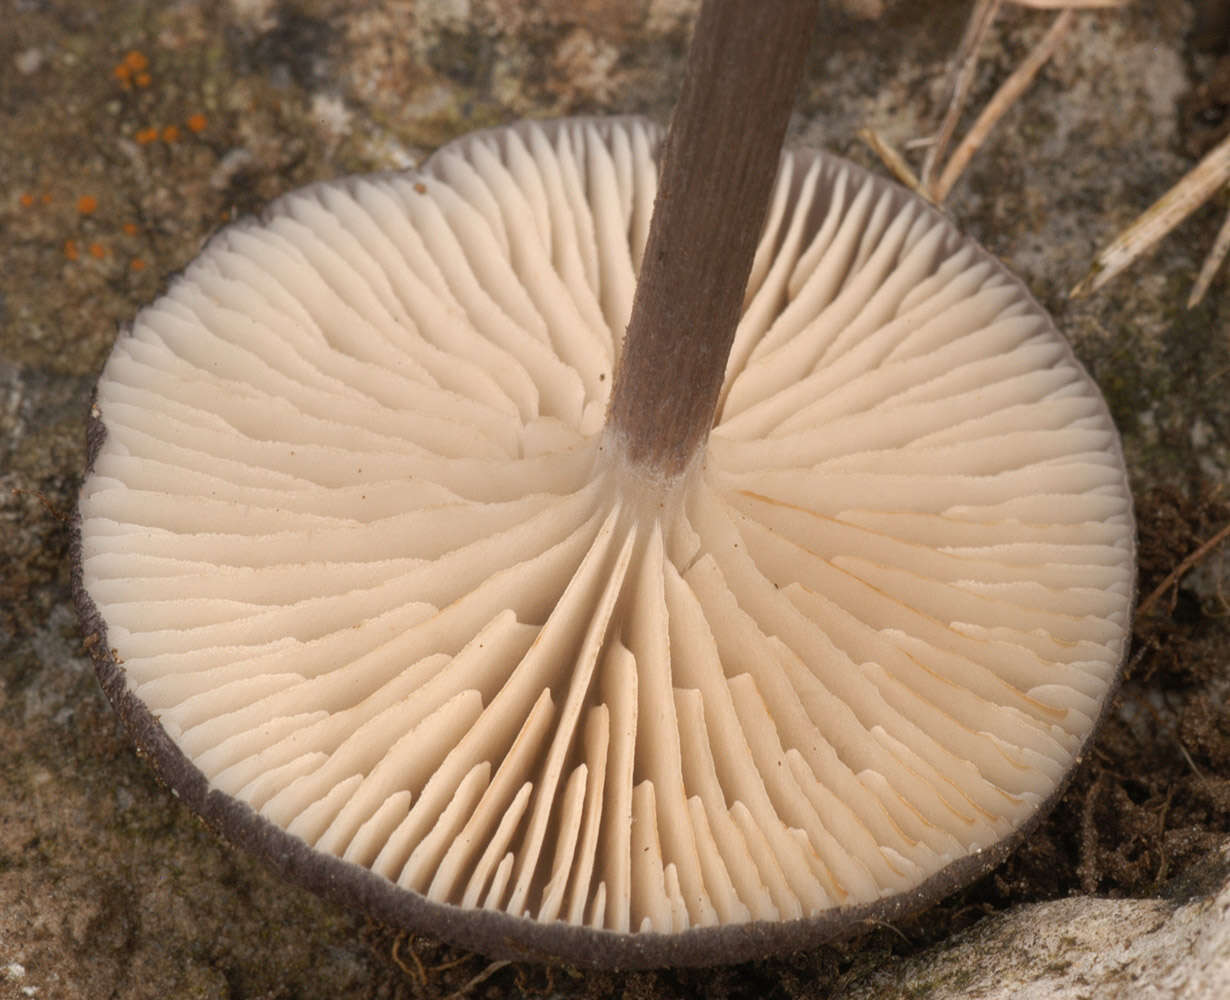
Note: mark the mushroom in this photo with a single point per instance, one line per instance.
(411, 577)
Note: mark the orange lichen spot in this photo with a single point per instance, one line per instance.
(70, 249)
(420, 188)
(27, 199)
(137, 264)
(46, 198)
(197, 123)
(146, 135)
(132, 69)
(170, 133)
(130, 228)
(87, 204)
(98, 251)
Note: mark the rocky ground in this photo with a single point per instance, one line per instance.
(131, 130)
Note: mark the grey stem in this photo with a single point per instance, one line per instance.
(718, 166)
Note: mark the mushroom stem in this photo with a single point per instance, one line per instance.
(718, 166)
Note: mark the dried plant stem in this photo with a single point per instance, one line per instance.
(1173, 576)
(963, 78)
(892, 159)
(1196, 187)
(1212, 262)
(1005, 96)
(1071, 4)
(419, 973)
(981, 17)
(718, 166)
(487, 973)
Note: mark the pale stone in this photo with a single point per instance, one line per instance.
(1173, 948)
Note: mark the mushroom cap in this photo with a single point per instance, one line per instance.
(386, 605)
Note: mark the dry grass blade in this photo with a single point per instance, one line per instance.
(966, 60)
(1071, 4)
(1009, 91)
(934, 188)
(1200, 184)
(1212, 262)
(892, 159)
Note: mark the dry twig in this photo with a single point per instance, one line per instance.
(1211, 265)
(418, 972)
(892, 159)
(489, 971)
(927, 183)
(1173, 576)
(1004, 98)
(1071, 4)
(963, 77)
(1204, 180)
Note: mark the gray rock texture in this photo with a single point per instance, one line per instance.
(131, 129)
(1086, 946)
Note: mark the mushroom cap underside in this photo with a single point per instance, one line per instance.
(383, 601)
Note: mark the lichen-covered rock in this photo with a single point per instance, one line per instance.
(1176, 946)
